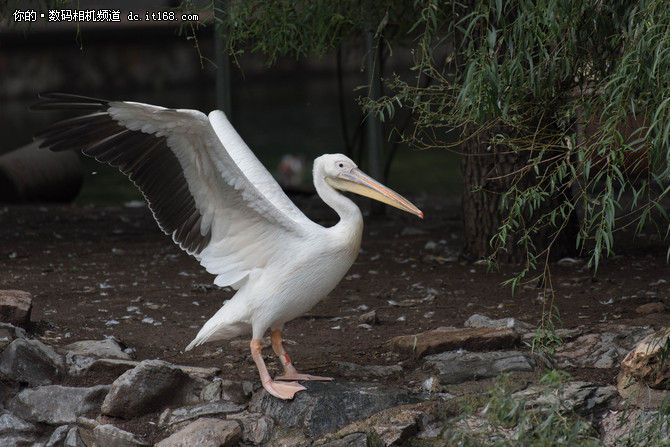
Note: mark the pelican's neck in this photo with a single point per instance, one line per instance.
(350, 214)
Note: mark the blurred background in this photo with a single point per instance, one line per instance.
(288, 113)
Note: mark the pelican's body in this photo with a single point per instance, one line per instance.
(291, 283)
(211, 194)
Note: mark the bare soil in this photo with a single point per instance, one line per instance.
(100, 272)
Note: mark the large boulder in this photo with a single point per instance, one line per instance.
(149, 387)
(328, 406)
(31, 362)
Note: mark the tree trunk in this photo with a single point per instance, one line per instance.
(489, 169)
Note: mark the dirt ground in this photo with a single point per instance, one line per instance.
(100, 272)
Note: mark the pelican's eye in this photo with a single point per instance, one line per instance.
(340, 164)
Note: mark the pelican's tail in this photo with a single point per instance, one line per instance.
(222, 326)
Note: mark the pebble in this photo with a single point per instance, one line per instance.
(650, 308)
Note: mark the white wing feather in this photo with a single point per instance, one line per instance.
(249, 215)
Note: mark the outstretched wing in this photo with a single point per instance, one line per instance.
(203, 184)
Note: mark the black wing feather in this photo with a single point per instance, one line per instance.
(145, 158)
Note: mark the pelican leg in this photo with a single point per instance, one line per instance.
(282, 390)
(290, 372)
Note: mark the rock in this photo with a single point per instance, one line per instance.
(205, 432)
(110, 367)
(14, 331)
(650, 308)
(458, 366)
(228, 390)
(600, 350)
(440, 340)
(617, 426)
(647, 363)
(6, 338)
(57, 437)
(108, 435)
(14, 431)
(207, 373)
(31, 362)
(644, 377)
(583, 398)
(352, 370)
(172, 417)
(289, 437)
(72, 439)
(352, 440)
(15, 307)
(369, 318)
(55, 404)
(256, 428)
(480, 321)
(79, 356)
(107, 348)
(393, 426)
(149, 387)
(327, 406)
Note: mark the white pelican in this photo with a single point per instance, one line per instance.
(208, 191)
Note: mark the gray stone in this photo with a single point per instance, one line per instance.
(149, 387)
(327, 406)
(393, 426)
(207, 372)
(15, 307)
(462, 366)
(14, 331)
(228, 390)
(616, 428)
(480, 321)
(6, 337)
(72, 439)
(256, 428)
(205, 432)
(289, 437)
(107, 348)
(352, 440)
(108, 435)
(352, 370)
(81, 355)
(600, 350)
(55, 404)
(172, 417)
(31, 362)
(110, 367)
(14, 431)
(57, 437)
(12, 423)
(583, 398)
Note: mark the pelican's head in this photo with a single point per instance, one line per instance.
(341, 173)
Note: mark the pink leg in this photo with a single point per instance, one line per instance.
(282, 390)
(290, 372)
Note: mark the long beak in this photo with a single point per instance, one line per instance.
(358, 182)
